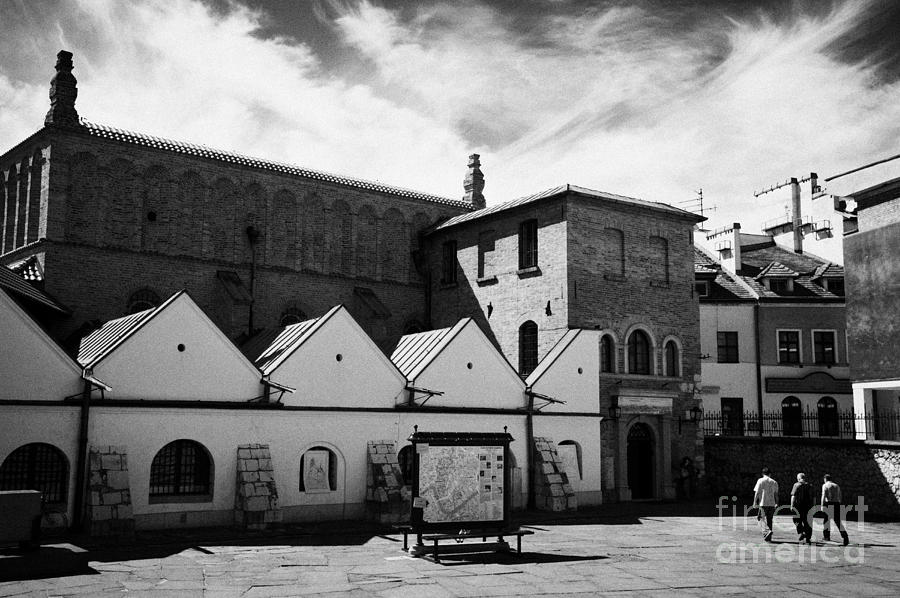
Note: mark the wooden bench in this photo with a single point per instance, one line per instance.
(461, 536)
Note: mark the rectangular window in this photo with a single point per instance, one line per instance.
(728, 347)
(824, 346)
(835, 285)
(448, 263)
(702, 288)
(779, 285)
(485, 253)
(528, 245)
(788, 346)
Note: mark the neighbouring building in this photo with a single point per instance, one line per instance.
(773, 336)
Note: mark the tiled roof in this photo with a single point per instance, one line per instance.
(24, 290)
(269, 348)
(203, 151)
(828, 270)
(777, 270)
(415, 351)
(758, 256)
(722, 286)
(102, 341)
(804, 288)
(600, 195)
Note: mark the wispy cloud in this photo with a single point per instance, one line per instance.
(616, 98)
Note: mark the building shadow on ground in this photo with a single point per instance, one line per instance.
(45, 562)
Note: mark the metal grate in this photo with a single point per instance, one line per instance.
(180, 468)
(37, 466)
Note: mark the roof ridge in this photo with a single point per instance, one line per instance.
(206, 151)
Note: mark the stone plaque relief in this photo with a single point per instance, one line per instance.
(315, 474)
(651, 405)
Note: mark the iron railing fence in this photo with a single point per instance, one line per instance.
(823, 423)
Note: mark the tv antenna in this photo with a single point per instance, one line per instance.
(695, 205)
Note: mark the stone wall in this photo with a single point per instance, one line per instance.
(552, 491)
(108, 506)
(387, 497)
(869, 470)
(256, 496)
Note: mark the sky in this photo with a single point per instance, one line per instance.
(654, 99)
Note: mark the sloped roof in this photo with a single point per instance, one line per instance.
(550, 358)
(202, 151)
(100, 343)
(829, 270)
(415, 351)
(722, 284)
(23, 290)
(777, 270)
(562, 189)
(269, 348)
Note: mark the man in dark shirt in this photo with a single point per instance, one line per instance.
(802, 503)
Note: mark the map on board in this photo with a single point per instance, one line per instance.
(461, 483)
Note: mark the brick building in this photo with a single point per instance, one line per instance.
(257, 243)
(111, 222)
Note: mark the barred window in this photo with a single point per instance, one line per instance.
(638, 353)
(607, 354)
(528, 348)
(181, 468)
(37, 466)
(528, 244)
(673, 362)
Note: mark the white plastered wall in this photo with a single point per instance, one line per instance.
(585, 431)
(149, 365)
(339, 366)
(32, 366)
(572, 377)
(731, 379)
(490, 382)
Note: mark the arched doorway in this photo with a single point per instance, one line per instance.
(641, 456)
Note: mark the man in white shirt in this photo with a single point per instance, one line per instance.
(831, 506)
(765, 497)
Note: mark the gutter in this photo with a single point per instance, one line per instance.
(759, 397)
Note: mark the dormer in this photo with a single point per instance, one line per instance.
(778, 278)
(830, 277)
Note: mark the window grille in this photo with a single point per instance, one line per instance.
(37, 466)
(180, 468)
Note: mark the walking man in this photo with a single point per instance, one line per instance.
(831, 506)
(765, 497)
(802, 501)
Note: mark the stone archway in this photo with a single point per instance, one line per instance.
(641, 456)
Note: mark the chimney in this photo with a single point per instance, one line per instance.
(63, 92)
(797, 216)
(736, 248)
(474, 183)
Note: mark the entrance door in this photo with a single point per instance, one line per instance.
(641, 470)
(732, 416)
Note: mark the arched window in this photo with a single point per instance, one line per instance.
(318, 470)
(37, 466)
(638, 353)
(142, 300)
(673, 361)
(607, 354)
(182, 468)
(405, 459)
(528, 348)
(791, 417)
(569, 452)
(828, 417)
(291, 315)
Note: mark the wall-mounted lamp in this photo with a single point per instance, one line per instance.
(614, 410)
(694, 416)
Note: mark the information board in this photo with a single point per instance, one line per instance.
(461, 483)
